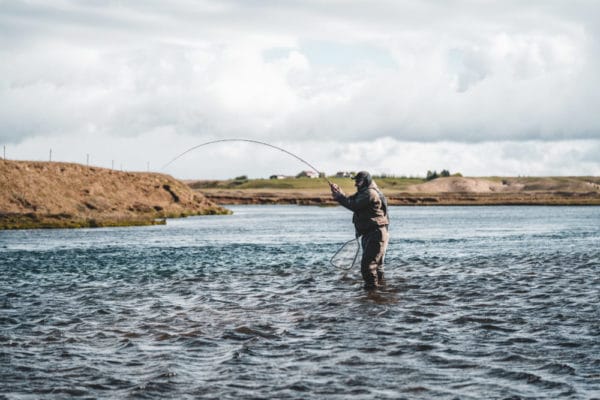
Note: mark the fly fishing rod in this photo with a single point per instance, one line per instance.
(346, 257)
(250, 141)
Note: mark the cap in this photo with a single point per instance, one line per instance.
(361, 175)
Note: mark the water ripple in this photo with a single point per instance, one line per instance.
(503, 312)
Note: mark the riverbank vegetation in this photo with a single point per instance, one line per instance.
(447, 190)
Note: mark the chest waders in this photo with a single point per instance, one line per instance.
(374, 244)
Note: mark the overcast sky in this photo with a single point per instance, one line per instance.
(392, 86)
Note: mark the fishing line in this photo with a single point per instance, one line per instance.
(347, 255)
(248, 141)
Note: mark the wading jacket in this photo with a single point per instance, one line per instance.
(369, 206)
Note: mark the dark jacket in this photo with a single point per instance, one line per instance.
(369, 206)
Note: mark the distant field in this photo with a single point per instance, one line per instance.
(300, 183)
(577, 183)
(455, 190)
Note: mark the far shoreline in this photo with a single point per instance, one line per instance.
(448, 191)
(226, 198)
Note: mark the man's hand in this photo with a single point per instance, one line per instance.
(335, 190)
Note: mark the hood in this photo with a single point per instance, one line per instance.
(366, 178)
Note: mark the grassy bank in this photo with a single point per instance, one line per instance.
(299, 183)
(67, 195)
(411, 191)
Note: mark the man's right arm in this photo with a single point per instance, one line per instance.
(355, 202)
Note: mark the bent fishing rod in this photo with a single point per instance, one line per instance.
(250, 141)
(353, 243)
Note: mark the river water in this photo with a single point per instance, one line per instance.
(480, 302)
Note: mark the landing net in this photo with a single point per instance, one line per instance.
(347, 256)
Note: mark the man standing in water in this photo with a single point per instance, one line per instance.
(371, 222)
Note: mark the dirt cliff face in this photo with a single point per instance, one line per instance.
(52, 194)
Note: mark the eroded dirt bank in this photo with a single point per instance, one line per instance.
(53, 195)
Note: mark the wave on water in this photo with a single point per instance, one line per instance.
(209, 310)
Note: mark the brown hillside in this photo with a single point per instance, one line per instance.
(456, 184)
(51, 194)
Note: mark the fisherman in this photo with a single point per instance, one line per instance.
(371, 223)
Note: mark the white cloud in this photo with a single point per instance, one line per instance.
(385, 155)
(293, 72)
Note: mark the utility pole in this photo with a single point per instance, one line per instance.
(112, 164)
(148, 166)
(4, 152)
(50, 155)
(87, 162)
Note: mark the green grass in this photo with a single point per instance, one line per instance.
(300, 183)
(397, 183)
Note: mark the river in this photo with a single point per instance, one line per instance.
(479, 302)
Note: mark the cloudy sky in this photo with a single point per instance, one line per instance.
(399, 87)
